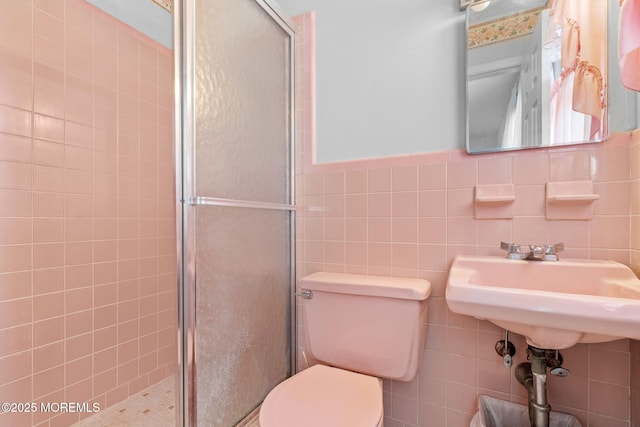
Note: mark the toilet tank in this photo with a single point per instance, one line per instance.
(368, 324)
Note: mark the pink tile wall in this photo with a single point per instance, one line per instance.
(410, 215)
(87, 235)
(635, 264)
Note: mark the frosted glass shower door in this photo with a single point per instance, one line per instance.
(238, 206)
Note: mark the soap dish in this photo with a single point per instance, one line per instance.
(494, 201)
(570, 200)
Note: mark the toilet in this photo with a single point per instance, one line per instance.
(360, 329)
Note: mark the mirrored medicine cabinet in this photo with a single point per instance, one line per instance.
(537, 74)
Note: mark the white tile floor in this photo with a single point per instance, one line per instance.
(152, 407)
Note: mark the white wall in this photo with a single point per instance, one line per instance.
(390, 76)
(623, 112)
(143, 15)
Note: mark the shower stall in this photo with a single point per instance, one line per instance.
(146, 214)
(236, 211)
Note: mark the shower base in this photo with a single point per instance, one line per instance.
(151, 407)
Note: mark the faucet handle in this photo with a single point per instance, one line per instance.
(513, 250)
(552, 249)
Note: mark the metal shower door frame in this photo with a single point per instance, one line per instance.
(187, 200)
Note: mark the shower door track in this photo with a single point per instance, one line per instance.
(236, 203)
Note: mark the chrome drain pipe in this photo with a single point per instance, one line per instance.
(533, 376)
(540, 406)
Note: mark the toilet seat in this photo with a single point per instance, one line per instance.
(323, 396)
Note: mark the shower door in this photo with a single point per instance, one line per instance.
(236, 67)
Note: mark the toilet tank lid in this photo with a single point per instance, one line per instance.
(357, 284)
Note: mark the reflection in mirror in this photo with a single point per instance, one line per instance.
(536, 74)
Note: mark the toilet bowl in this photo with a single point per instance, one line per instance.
(360, 329)
(323, 396)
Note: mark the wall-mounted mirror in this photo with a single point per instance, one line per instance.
(536, 74)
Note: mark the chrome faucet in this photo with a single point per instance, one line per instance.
(535, 252)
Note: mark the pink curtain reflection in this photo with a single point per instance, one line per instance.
(577, 32)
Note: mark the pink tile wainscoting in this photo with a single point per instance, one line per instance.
(87, 234)
(410, 215)
(635, 264)
(353, 220)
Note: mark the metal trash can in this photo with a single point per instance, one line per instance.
(494, 412)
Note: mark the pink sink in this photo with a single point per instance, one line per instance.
(554, 304)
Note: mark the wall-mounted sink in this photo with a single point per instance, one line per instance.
(553, 304)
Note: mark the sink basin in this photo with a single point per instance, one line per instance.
(553, 304)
